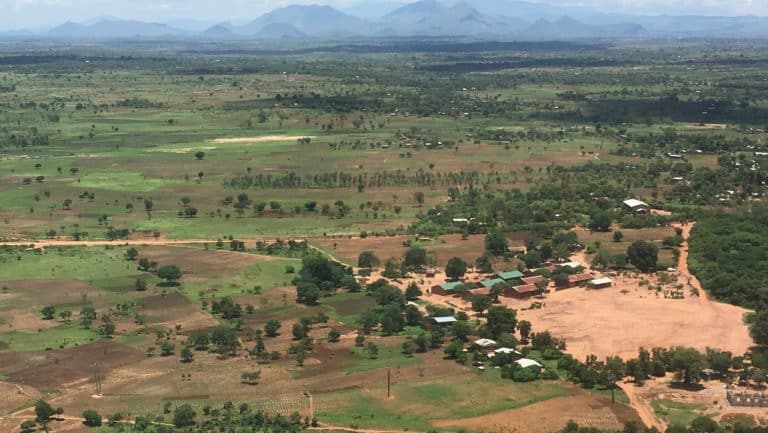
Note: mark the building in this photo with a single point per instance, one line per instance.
(600, 283)
(510, 275)
(534, 279)
(637, 206)
(522, 292)
(485, 344)
(492, 282)
(572, 265)
(579, 279)
(430, 272)
(444, 320)
(505, 351)
(446, 289)
(528, 363)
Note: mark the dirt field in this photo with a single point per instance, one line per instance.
(551, 415)
(260, 139)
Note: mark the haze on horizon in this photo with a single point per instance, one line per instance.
(37, 14)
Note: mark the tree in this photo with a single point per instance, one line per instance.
(184, 416)
(484, 263)
(413, 291)
(415, 258)
(643, 255)
(758, 328)
(618, 236)
(481, 303)
(687, 363)
(167, 348)
(132, 253)
(199, 340)
(299, 331)
(67, 204)
(48, 312)
(496, 243)
(600, 222)
(524, 327)
(28, 426)
(199, 155)
(334, 335)
(456, 268)
(367, 260)
(87, 316)
(419, 197)
(225, 340)
(43, 411)
(372, 350)
(169, 273)
(460, 330)
(307, 293)
(250, 377)
(186, 356)
(148, 205)
(271, 328)
(501, 320)
(140, 284)
(92, 418)
(408, 347)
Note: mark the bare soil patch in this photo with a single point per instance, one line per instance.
(54, 369)
(175, 308)
(551, 415)
(12, 396)
(260, 139)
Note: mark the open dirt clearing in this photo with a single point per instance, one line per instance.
(618, 320)
(550, 415)
(261, 139)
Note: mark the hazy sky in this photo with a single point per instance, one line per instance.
(42, 13)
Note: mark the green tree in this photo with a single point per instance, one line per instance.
(496, 243)
(91, 418)
(687, 363)
(372, 350)
(334, 335)
(601, 221)
(167, 348)
(186, 356)
(48, 312)
(250, 377)
(199, 155)
(132, 253)
(501, 320)
(368, 260)
(184, 416)
(481, 303)
(170, 273)
(456, 268)
(524, 327)
(484, 263)
(415, 258)
(413, 291)
(643, 255)
(140, 284)
(43, 412)
(758, 328)
(272, 327)
(618, 236)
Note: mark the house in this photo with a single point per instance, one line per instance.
(572, 265)
(579, 279)
(444, 320)
(527, 363)
(461, 221)
(674, 155)
(522, 292)
(516, 250)
(430, 273)
(510, 275)
(600, 283)
(505, 351)
(492, 282)
(485, 343)
(446, 289)
(637, 206)
(534, 279)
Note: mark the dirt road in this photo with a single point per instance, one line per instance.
(642, 407)
(682, 263)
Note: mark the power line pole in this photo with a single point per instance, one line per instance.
(389, 383)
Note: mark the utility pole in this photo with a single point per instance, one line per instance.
(389, 383)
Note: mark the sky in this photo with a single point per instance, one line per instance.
(38, 14)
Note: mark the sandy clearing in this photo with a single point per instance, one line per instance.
(550, 415)
(182, 149)
(260, 139)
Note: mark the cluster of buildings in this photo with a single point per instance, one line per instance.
(522, 285)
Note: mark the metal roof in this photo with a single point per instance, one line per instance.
(492, 282)
(510, 275)
(444, 319)
(633, 203)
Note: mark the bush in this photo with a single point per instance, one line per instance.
(91, 418)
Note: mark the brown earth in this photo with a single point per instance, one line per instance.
(551, 415)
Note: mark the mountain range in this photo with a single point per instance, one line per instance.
(497, 19)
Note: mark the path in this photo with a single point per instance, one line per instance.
(323, 426)
(642, 407)
(682, 263)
